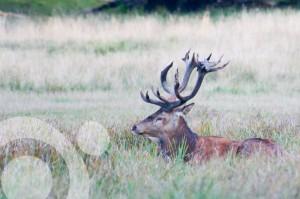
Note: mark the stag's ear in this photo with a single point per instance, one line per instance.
(186, 109)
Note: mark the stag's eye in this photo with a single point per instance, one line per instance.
(159, 119)
(149, 118)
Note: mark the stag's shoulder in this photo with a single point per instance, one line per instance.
(214, 142)
(218, 139)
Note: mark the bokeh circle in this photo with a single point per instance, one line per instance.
(19, 128)
(93, 138)
(26, 177)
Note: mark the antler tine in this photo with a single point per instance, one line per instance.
(176, 76)
(190, 65)
(158, 95)
(195, 90)
(187, 55)
(218, 68)
(177, 86)
(163, 78)
(147, 99)
(210, 66)
(208, 58)
(197, 57)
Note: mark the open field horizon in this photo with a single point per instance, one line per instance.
(67, 70)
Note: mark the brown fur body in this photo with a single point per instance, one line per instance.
(201, 148)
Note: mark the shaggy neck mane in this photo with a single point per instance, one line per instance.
(182, 137)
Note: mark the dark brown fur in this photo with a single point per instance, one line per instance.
(200, 148)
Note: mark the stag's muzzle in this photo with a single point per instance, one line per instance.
(134, 130)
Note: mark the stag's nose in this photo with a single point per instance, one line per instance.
(133, 128)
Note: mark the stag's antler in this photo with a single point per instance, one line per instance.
(203, 67)
(190, 65)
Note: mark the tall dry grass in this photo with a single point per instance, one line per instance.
(112, 52)
(106, 60)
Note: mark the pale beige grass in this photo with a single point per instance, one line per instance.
(262, 45)
(256, 96)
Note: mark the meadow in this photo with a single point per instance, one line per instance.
(67, 70)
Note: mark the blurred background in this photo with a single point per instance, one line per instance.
(50, 7)
(69, 61)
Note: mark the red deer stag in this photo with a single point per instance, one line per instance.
(168, 128)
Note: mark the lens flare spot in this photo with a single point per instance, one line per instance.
(93, 138)
(26, 177)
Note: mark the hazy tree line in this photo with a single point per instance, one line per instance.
(46, 7)
(193, 5)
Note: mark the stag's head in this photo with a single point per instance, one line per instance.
(168, 120)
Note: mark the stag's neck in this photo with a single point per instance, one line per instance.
(183, 137)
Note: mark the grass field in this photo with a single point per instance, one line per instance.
(69, 70)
